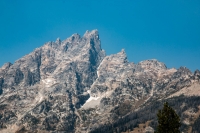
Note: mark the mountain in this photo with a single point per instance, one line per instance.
(72, 86)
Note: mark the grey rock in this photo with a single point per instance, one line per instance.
(72, 86)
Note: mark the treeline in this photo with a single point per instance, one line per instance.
(149, 111)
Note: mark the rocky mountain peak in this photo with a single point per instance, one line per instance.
(58, 41)
(151, 64)
(93, 33)
(120, 57)
(184, 71)
(6, 65)
(72, 86)
(3, 71)
(72, 39)
(197, 72)
(122, 53)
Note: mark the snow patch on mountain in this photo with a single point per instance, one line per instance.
(48, 82)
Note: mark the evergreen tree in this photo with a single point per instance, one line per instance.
(168, 120)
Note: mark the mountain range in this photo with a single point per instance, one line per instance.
(72, 86)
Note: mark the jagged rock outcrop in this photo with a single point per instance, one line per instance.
(47, 85)
(72, 86)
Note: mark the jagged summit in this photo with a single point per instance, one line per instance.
(6, 65)
(91, 33)
(152, 63)
(72, 86)
(120, 57)
(74, 37)
(58, 41)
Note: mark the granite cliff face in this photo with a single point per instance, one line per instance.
(72, 86)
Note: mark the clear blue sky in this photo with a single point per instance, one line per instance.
(167, 30)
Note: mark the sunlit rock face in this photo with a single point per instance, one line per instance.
(72, 86)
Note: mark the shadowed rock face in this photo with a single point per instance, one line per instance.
(72, 86)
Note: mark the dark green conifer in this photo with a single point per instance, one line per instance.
(168, 120)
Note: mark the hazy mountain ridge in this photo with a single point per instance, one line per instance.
(72, 86)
